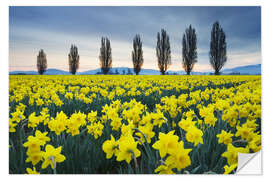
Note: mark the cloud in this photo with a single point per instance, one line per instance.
(55, 28)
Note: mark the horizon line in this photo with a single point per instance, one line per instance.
(132, 68)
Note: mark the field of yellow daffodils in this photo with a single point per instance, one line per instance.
(96, 124)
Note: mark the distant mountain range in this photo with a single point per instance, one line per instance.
(250, 69)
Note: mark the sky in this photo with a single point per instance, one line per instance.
(54, 29)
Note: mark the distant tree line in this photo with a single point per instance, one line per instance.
(217, 53)
(116, 72)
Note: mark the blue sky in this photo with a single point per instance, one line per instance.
(54, 29)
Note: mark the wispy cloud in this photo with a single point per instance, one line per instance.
(54, 29)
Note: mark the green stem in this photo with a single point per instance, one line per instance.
(135, 161)
(54, 171)
(54, 165)
(240, 140)
(144, 136)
